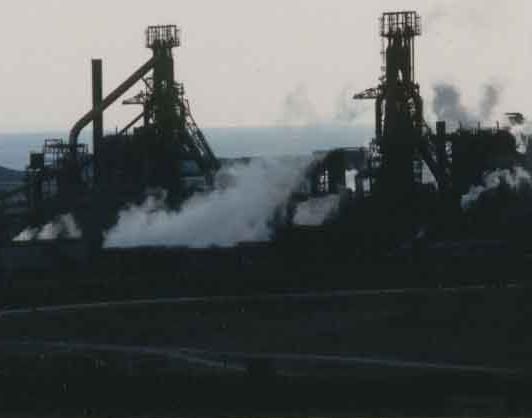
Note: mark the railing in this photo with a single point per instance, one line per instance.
(405, 23)
(197, 137)
(167, 36)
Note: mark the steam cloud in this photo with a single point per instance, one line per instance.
(242, 208)
(63, 226)
(346, 108)
(516, 179)
(489, 101)
(521, 129)
(315, 212)
(350, 182)
(447, 104)
(298, 109)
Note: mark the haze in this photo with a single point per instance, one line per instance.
(246, 62)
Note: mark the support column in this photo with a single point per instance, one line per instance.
(97, 126)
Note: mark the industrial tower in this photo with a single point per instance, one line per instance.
(169, 142)
(398, 109)
(161, 148)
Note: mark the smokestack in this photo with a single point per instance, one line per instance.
(441, 128)
(441, 132)
(97, 97)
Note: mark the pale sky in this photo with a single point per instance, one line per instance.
(241, 59)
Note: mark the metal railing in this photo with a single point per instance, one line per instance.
(167, 36)
(406, 23)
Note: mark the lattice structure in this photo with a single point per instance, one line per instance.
(400, 23)
(167, 36)
(399, 108)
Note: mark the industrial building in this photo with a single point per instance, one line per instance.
(398, 269)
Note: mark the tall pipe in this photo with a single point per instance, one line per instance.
(108, 101)
(97, 98)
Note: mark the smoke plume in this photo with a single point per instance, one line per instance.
(489, 101)
(298, 109)
(346, 108)
(521, 129)
(516, 179)
(242, 209)
(448, 106)
(63, 226)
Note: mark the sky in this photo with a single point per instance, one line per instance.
(254, 62)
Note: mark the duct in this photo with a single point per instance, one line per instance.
(109, 100)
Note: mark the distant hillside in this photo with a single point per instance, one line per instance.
(226, 142)
(10, 179)
(6, 174)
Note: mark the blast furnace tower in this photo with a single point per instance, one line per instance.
(399, 107)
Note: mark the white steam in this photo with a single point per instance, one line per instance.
(516, 179)
(521, 129)
(241, 210)
(347, 110)
(350, 179)
(63, 226)
(298, 108)
(522, 137)
(315, 212)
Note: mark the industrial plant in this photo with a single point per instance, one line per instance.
(381, 262)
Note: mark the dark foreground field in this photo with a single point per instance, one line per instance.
(409, 352)
(166, 396)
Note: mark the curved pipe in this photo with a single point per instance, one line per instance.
(109, 100)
